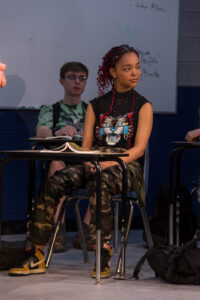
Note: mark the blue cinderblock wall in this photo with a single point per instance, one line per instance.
(16, 126)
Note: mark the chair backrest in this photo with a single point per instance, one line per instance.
(145, 164)
(146, 169)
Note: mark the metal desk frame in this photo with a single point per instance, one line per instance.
(174, 203)
(37, 143)
(33, 155)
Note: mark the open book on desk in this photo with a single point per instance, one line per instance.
(70, 147)
(76, 138)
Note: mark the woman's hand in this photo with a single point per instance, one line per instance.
(107, 164)
(89, 169)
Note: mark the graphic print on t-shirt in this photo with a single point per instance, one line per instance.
(113, 129)
(74, 122)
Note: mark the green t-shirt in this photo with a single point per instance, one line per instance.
(69, 115)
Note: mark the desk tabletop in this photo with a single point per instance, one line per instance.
(185, 144)
(50, 141)
(38, 154)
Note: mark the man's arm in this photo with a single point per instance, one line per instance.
(45, 124)
(43, 132)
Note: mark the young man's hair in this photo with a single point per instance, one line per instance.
(73, 66)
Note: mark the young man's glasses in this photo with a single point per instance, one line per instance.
(74, 77)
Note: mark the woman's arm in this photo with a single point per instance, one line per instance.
(88, 132)
(88, 135)
(145, 123)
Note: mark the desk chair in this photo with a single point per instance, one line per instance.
(76, 196)
(196, 191)
(132, 200)
(81, 194)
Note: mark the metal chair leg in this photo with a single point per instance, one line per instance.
(116, 224)
(146, 227)
(57, 226)
(51, 245)
(55, 231)
(80, 231)
(120, 271)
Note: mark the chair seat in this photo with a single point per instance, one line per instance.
(84, 193)
(80, 193)
(130, 194)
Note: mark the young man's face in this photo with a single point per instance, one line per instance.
(74, 83)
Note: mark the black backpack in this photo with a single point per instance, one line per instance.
(159, 222)
(178, 265)
(11, 253)
(56, 112)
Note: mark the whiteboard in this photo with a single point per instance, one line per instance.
(38, 36)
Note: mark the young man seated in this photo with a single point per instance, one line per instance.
(65, 118)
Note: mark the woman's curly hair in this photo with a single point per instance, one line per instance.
(104, 79)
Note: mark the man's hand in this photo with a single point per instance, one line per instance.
(67, 130)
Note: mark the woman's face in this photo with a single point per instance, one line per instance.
(126, 72)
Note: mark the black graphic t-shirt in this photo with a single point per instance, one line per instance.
(117, 118)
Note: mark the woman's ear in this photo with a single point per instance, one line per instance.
(112, 72)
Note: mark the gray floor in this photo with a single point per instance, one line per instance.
(69, 278)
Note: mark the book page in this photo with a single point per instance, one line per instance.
(59, 149)
(76, 148)
(70, 147)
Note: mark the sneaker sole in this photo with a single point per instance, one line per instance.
(103, 276)
(29, 272)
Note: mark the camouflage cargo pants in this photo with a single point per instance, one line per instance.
(112, 185)
(72, 178)
(63, 182)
